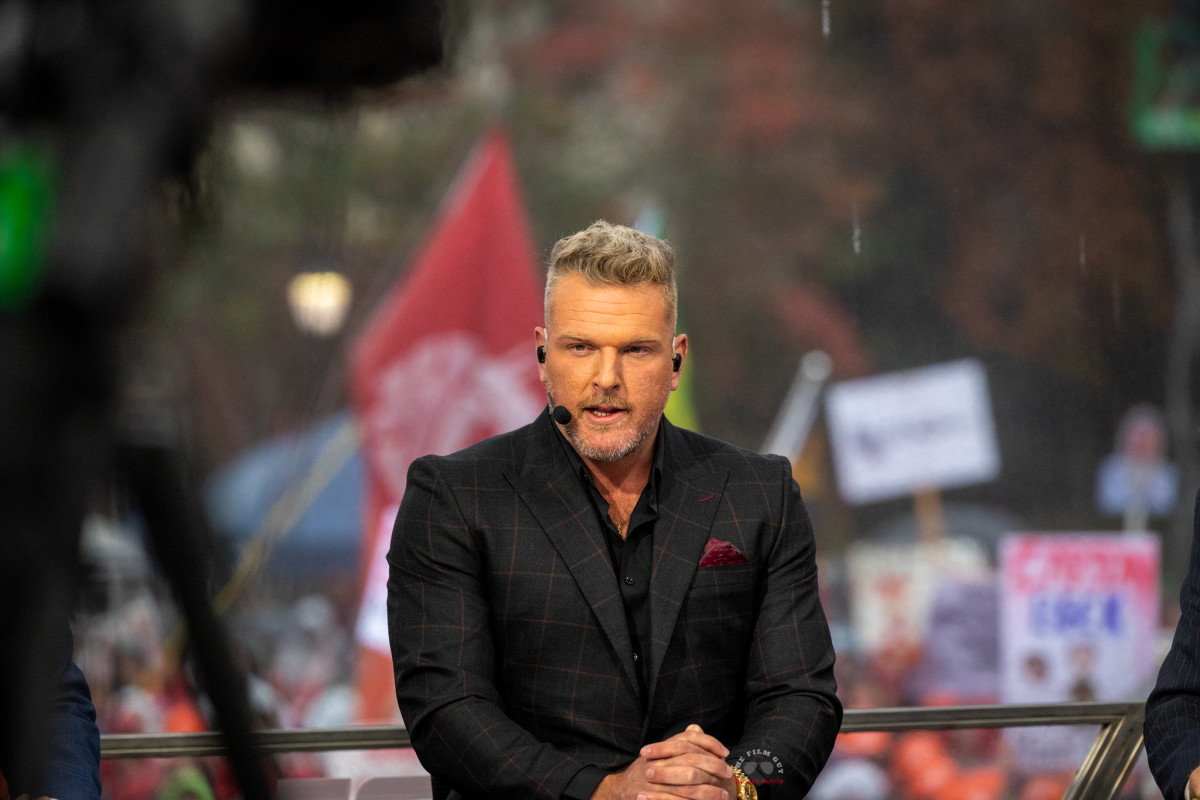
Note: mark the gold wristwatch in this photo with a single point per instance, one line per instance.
(745, 789)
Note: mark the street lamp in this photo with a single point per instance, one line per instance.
(319, 301)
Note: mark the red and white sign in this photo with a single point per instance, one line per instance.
(447, 361)
(1078, 619)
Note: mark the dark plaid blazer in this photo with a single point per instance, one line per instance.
(509, 641)
(71, 768)
(1172, 727)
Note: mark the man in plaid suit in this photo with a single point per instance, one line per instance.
(600, 604)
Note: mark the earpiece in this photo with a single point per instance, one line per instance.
(541, 354)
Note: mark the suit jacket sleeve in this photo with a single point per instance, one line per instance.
(72, 759)
(793, 712)
(1172, 725)
(443, 655)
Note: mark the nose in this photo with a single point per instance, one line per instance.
(608, 370)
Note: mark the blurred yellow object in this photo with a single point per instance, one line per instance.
(808, 466)
(319, 301)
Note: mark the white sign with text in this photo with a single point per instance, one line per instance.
(903, 432)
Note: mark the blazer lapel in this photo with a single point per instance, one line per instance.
(689, 495)
(557, 499)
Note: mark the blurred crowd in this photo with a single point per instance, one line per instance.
(973, 764)
(968, 764)
(298, 658)
(296, 644)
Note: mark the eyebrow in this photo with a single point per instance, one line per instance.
(574, 337)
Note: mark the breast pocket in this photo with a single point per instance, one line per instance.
(721, 600)
(724, 577)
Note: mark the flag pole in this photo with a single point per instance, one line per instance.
(800, 407)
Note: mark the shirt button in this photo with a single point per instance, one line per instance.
(635, 656)
(629, 580)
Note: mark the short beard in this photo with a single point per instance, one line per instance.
(638, 437)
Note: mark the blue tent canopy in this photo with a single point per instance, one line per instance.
(327, 535)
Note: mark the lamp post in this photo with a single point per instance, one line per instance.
(319, 301)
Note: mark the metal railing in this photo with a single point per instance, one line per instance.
(1100, 777)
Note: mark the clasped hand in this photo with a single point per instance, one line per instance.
(690, 764)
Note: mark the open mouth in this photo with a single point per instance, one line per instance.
(601, 413)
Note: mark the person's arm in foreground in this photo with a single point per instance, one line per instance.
(72, 760)
(1172, 726)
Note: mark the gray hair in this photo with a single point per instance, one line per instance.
(614, 255)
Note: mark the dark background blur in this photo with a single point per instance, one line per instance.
(895, 183)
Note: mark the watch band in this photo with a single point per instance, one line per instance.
(745, 789)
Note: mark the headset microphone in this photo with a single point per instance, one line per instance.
(560, 415)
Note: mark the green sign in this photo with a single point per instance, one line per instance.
(26, 198)
(1166, 86)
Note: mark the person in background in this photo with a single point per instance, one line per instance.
(1136, 482)
(600, 604)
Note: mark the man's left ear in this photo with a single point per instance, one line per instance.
(679, 350)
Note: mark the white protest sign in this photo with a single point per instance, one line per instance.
(893, 586)
(903, 432)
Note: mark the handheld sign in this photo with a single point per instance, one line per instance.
(913, 431)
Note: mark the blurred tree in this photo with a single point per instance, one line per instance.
(898, 183)
(961, 178)
(1051, 254)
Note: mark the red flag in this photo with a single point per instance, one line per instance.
(447, 361)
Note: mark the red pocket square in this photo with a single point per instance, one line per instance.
(719, 554)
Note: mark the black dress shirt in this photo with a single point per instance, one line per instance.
(631, 561)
